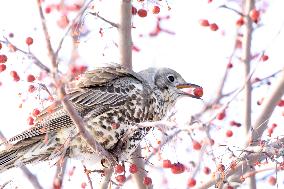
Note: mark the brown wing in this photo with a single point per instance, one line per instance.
(91, 92)
(101, 76)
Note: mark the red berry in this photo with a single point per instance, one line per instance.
(234, 123)
(214, 27)
(196, 145)
(63, 21)
(240, 22)
(120, 178)
(207, 170)
(142, 13)
(270, 131)
(134, 10)
(83, 185)
(15, 76)
(230, 187)
(191, 182)
(36, 112)
(229, 133)
(264, 58)
(177, 168)
(204, 22)
(31, 88)
(30, 78)
(221, 115)
(30, 120)
(280, 103)
(254, 15)
(198, 92)
(147, 181)
(29, 41)
(272, 180)
(133, 168)
(48, 10)
(220, 167)
(229, 65)
(119, 168)
(156, 10)
(11, 35)
(2, 67)
(3, 58)
(274, 125)
(167, 163)
(0, 45)
(212, 142)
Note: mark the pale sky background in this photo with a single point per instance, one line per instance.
(199, 54)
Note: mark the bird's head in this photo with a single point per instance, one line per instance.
(169, 82)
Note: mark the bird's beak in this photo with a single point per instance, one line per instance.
(191, 90)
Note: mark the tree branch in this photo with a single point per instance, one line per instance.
(268, 107)
(246, 58)
(124, 32)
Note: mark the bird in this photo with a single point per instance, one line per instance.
(111, 101)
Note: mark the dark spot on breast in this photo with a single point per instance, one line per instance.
(123, 91)
(110, 89)
(99, 133)
(133, 96)
(120, 119)
(137, 120)
(127, 90)
(105, 143)
(103, 88)
(116, 135)
(109, 114)
(103, 126)
(117, 90)
(131, 87)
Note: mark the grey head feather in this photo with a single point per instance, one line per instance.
(149, 75)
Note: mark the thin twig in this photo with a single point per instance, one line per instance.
(87, 172)
(60, 172)
(105, 20)
(78, 17)
(37, 62)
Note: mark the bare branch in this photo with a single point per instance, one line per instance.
(246, 58)
(268, 107)
(78, 16)
(37, 62)
(139, 162)
(124, 32)
(105, 20)
(105, 183)
(33, 179)
(88, 176)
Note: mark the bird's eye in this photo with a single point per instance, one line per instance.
(171, 78)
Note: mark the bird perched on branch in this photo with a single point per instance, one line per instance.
(111, 102)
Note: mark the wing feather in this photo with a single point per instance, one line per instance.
(88, 94)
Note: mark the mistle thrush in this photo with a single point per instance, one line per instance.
(111, 101)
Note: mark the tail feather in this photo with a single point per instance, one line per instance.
(24, 152)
